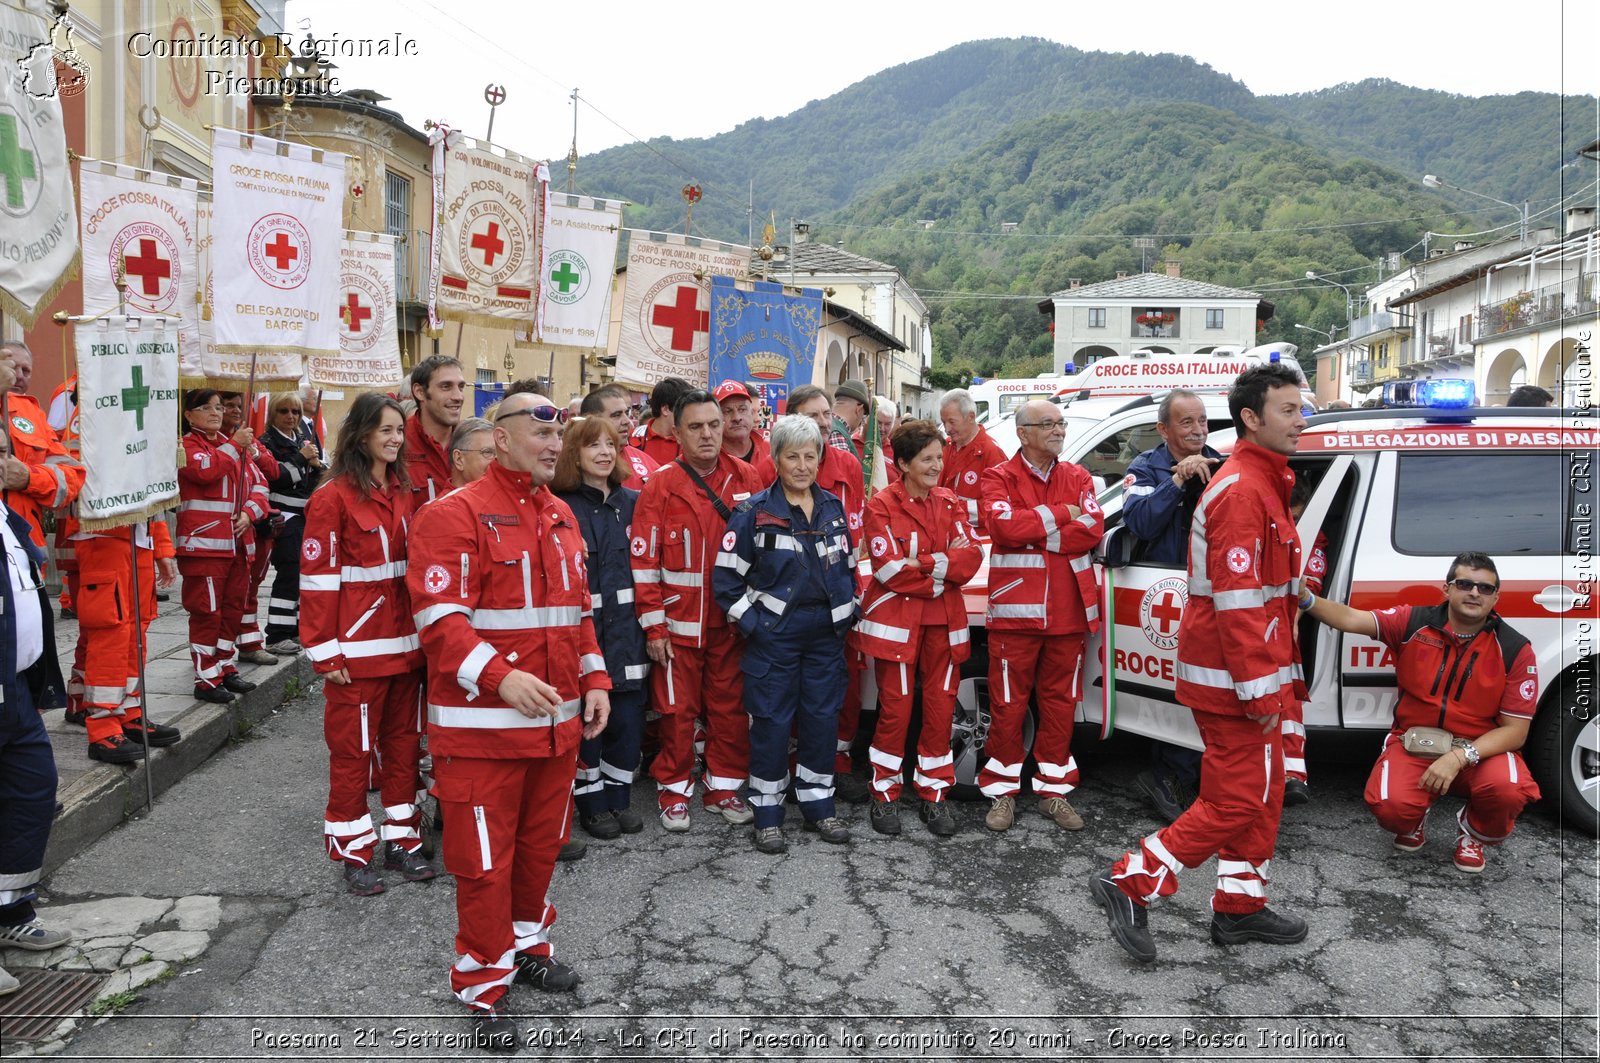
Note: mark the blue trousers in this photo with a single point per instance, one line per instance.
(794, 683)
(608, 762)
(27, 800)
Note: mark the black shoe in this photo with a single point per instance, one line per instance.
(848, 786)
(886, 817)
(938, 818)
(573, 850)
(545, 974)
(603, 826)
(1129, 921)
(630, 821)
(1296, 792)
(68, 613)
(1264, 925)
(155, 735)
(115, 750)
(1162, 791)
(215, 695)
(78, 718)
(363, 880)
(411, 864)
(493, 1028)
(831, 830)
(238, 684)
(163, 596)
(770, 840)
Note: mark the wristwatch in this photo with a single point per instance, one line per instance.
(1468, 750)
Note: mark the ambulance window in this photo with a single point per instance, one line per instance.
(1500, 504)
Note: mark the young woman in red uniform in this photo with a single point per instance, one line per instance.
(356, 626)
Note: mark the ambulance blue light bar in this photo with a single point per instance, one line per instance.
(1452, 394)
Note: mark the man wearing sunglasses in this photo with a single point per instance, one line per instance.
(1462, 668)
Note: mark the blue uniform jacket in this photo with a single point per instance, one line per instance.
(44, 678)
(606, 524)
(772, 558)
(1157, 511)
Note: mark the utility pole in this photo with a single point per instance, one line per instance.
(572, 155)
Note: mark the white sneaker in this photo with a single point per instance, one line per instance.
(8, 982)
(284, 648)
(675, 817)
(733, 810)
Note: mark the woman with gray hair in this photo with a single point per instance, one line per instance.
(785, 578)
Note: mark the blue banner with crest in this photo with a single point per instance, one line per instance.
(765, 338)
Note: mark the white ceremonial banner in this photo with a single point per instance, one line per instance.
(38, 215)
(276, 224)
(128, 417)
(485, 265)
(666, 311)
(147, 224)
(369, 341)
(579, 255)
(192, 361)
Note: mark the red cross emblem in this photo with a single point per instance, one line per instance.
(490, 243)
(354, 313)
(683, 317)
(148, 266)
(1238, 560)
(279, 251)
(311, 550)
(436, 579)
(1167, 612)
(1161, 611)
(282, 251)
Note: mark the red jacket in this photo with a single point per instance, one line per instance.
(899, 527)
(208, 486)
(355, 612)
(676, 535)
(497, 578)
(54, 476)
(760, 452)
(427, 464)
(1041, 572)
(964, 467)
(1238, 643)
(839, 473)
(642, 465)
(663, 450)
(1463, 687)
(259, 472)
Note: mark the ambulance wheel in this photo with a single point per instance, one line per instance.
(1565, 751)
(969, 731)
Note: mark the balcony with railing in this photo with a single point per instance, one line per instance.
(1155, 323)
(1566, 300)
(1373, 324)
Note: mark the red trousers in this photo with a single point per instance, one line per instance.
(1235, 818)
(507, 819)
(1294, 742)
(105, 663)
(214, 590)
(850, 713)
(382, 714)
(1020, 663)
(941, 678)
(695, 682)
(1496, 790)
(250, 637)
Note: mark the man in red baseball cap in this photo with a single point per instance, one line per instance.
(740, 436)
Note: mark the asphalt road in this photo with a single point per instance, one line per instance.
(978, 946)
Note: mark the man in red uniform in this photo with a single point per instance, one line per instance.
(1239, 670)
(678, 525)
(440, 389)
(611, 402)
(968, 450)
(1044, 600)
(39, 474)
(1487, 710)
(740, 437)
(657, 437)
(496, 576)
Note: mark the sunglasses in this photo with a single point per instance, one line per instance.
(1472, 584)
(547, 414)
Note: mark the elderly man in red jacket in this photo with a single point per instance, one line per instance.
(497, 579)
(1239, 670)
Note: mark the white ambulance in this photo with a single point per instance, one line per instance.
(997, 399)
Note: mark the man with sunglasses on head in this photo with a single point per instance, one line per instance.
(1461, 668)
(501, 598)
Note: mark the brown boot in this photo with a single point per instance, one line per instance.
(1056, 808)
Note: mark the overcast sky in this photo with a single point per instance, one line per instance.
(650, 69)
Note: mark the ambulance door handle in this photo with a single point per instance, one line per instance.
(1558, 598)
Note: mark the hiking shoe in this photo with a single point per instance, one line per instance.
(237, 683)
(848, 786)
(629, 820)
(1002, 813)
(770, 840)
(733, 810)
(830, 829)
(675, 817)
(603, 826)
(1469, 854)
(494, 1029)
(545, 974)
(284, 648)
(258, 657)
(940, 822)
(1412, 841)
(1056, 808)
(1263, 925)
(8, 982)
(115, 749)
(572, 849)
(412, 865)
(1128, 918)
(147, 732)
(1296, 792)
(76, 717)
(363, 880)
(68, 613)
(1163, 792)
(886, 817)
(215, 695)
(33, 936)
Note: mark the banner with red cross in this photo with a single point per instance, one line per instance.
(147, 224)
(666, 307)
(486, 209)
(278, 215)
(369, 340)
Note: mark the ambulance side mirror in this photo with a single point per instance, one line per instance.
(1116, 548)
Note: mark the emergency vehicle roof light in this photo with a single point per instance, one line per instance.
(1274, 357)
(1069, 369)
(1448, 394)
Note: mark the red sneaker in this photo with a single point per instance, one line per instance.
(1410, 842)
(1469, 854)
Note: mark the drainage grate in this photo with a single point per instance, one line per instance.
(45, 998)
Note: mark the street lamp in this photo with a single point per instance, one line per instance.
(1325, 335)
(1349, 298)
(1432, 181)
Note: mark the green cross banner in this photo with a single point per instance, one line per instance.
(580, 249)
(127, 419)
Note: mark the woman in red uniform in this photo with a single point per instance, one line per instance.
(356, 626)
(914, 623)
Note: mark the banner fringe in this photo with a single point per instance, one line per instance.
(12, 307)
(137, 516)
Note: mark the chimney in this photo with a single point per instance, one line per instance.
(1174, 268)
(1579, 219)
(1122, 274)
(1074, 282)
